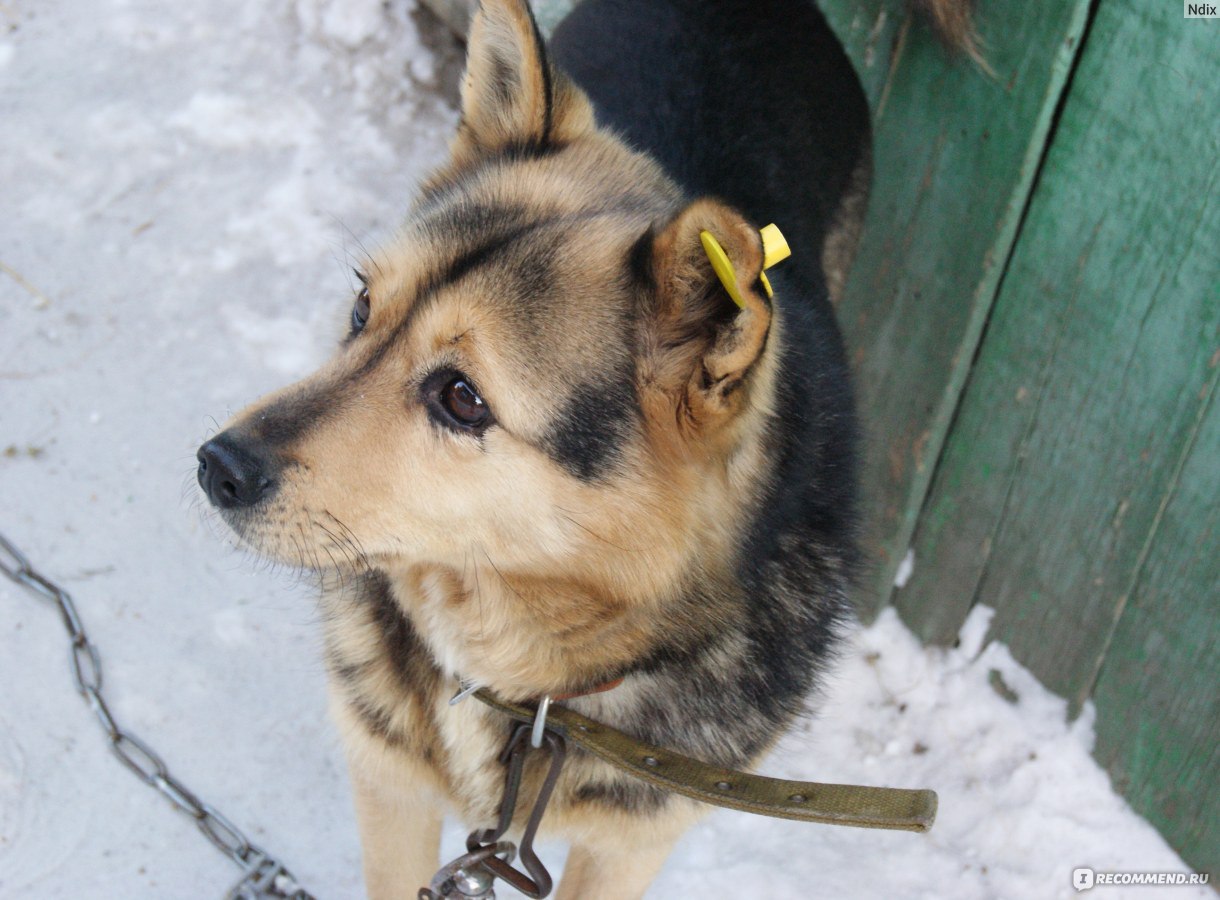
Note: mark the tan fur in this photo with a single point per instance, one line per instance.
(399, 809)
(499, 566)
(539, 103)
(953, 23)
(844, 237)
(385, 473)
(703, 374)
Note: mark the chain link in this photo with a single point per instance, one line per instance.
(263, 876)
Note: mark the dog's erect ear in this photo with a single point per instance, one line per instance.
(700, 347)
(511, 96)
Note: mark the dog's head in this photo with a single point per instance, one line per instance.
(543, 374)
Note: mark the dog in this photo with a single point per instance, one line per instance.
(553, 451)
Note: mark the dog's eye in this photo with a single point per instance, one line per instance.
(463, 403)
(360, 311)
(453, 401)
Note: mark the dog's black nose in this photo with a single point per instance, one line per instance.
(233, 472)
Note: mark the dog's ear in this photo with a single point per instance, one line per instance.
(702, 345)
(511, 96)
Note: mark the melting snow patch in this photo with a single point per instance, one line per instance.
(906, 569)
(226, 120)
(350, 22)
(1022, 803)
(285, 344)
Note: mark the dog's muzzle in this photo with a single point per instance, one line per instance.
(235, 472)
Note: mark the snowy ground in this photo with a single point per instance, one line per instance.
(181, 187)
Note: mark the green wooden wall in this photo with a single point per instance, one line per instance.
(1078, 486)
(1034, 321)
(1035, 317)
(956, 153)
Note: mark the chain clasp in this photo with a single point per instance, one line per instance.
(488, 856)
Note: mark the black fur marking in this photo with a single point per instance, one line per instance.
(750, 669)
(587, 436)
(632, 797)
(284, 422)
(489, 251)
(530, 283)
(548, 88)
(639, 261)
(347, 672)
(414, 678)
(504, 82)
(470, 221)
(406, 652)
(377, 722)
(481, 255)
(520, 151)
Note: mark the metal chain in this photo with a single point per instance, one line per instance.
(263, 876)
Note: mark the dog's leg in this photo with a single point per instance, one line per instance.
(400, 831)
(398, 809)
(618, 858)
(603, 873)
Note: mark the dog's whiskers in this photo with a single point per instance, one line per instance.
(366, 260)
(350, 562)
(300, 552)
(504, 580)
(478, 595)
(350, 541)
(314, 561)
(585, 528)
(338, 569)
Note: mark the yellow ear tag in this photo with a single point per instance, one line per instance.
(775, 246)
(721, 266)
(775, 250)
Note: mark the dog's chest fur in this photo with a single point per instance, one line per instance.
(395, 649)
(394, 696)
(394, 687)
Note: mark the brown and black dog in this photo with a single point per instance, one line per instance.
(553, 452)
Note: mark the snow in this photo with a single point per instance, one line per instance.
(184, 188)
(906, 568)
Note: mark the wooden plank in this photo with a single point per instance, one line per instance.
(1084, 466)
(869, 32)
(1158, 708)
(1087, 386)
(956, 152)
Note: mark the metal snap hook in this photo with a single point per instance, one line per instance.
(544, 706)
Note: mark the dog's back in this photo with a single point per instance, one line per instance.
(755, 102)
(751, 101)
